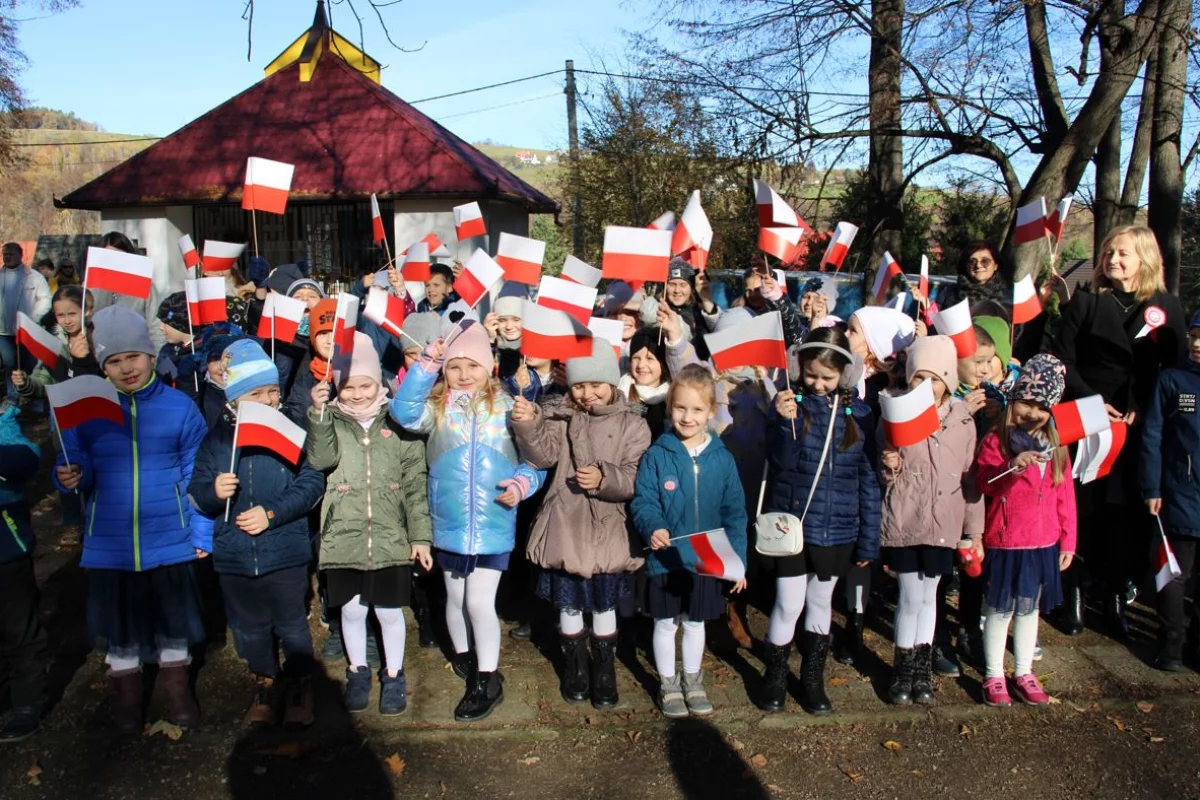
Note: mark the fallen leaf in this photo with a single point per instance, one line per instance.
(1079, 708)
(395, 765)
(290, 749)
(442, 788)
(1054, 701)
(529, 762)
(918, 773)
(1144, 706)
(633, 736)
(758, 760)
(737, 745)
(172, 732)
(965, 730)
(773, 789)
(839, 681)
(1157, 739)
(1121, 726)
(34, 773)
(892, 745)
(850, 772)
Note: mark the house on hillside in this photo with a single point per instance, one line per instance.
(527, 157)
(321, 107)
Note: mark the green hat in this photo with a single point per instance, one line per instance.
(997, 328)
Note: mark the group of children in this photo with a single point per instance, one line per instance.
(639, 445)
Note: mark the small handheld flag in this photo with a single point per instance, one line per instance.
(119, 272)
(478, 277)
(521, 258)
(385, 310)
(884, 273)
(260, 425)
(839, 245)
(468, 221)
(267, 185)
(575, 299)
(37, 341)
(221, 256)
(580, 272)
(909, 418)
(83, 399)
(206, 300)
(756, 343)
(378, 235)
(281, 318)
(550, 333)
(636, 254)
(956, 323)
(416, 263)
(1031, 222)
(1080, 418)
(191, 257)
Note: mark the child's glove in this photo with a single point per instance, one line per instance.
(259, 269)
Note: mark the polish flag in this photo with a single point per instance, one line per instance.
(416, 263)
(378, 234)
(521, 258)
(884, 273)
(84, 399)
(636, 254)
(757, 343)
(385, 309)
(478, 277)
(1080, 418)
(39, 342)
(710, 553)
(1026, 303)
(344, 322)
(434, 243)
(1095, 455)
(577, 300)
(1166, 567)
(923, 281)
(118, 271)
(898, 302)
(468, 221)
(260, 425)
(956, 323)
(281, 318)
(1031, 222)
(580, 272)
(1054, 225)
(664, 222)
(267, 185)
(783, 243)
(191, 256)
(206, 300)
(221, 256)
(839, 245)
(693, 232)
(610, 330)
(911, 417)
(550, 333)
(773, 211)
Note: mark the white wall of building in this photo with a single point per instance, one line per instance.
(157, 230)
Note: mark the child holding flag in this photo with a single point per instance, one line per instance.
(1029, 532)
(688, 486)
(315, 368)
(261, 547)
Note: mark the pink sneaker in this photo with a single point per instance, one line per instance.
(995, 692)
(1030, 691)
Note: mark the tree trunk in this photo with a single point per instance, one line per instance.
(1166, 173)
(885, 169)
(1135, 173)
(1108, 182)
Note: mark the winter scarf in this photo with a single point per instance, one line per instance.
(649, 395)
(997, 289)
(366, 416)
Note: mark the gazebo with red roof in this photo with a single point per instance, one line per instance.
(321, 107)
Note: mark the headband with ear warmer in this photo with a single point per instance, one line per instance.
(851, 375)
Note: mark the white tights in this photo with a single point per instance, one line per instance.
(916, 610)
(995, 634)
(471, 614)
(354, 634)
(792, 594)
(127, 663)
(604, 623)
(664, 645)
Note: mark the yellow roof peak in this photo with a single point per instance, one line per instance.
(314, 43)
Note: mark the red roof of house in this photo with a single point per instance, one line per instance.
(347, 135)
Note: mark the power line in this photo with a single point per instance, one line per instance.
(74, 144)
(489, 86)
(504, 105)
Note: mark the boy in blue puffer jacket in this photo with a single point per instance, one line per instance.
(23, 650)
(1170, 478)
(143, 599)
(262, 552)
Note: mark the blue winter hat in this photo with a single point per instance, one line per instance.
(1195, 321)
(247, 367)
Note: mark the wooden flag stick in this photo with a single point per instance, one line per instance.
(678, 538)
(233, 458)
(254, 229)
(62, 445)
(788, 378)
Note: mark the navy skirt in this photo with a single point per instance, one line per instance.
(1016, 579)
(460, 564)
(601, 592)
(701, 597)
(143, 613)
(932, 562)
(826, 563)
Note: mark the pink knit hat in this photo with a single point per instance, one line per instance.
(469, 340)
(364, 362)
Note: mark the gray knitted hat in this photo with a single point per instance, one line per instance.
(425, 327)
(599, 367)
(120, 329)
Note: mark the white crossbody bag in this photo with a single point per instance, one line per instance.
(781, 534)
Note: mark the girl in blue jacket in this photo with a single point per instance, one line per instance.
(687, 483)
(841, 520)
(475, 483)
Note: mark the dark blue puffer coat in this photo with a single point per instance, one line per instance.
(1171, 449)
(845, 507)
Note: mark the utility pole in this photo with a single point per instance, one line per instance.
(573, 155)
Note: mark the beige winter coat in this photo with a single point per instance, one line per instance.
(584, 532)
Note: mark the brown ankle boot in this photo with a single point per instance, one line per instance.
(181, 705)
(262, 709)
(127, 701)
(299, 705)
(737, 624)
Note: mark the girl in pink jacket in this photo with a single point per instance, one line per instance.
(1029, 532)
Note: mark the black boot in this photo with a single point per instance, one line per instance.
(900, 692)
(849, 644)
(1071, 614)
(485, 691)
(463, 664)
(774, 690)
(574, 687)
(425, 630)
(1114, 615)
(604, 672)
(1170, 653)
(815, 649)
(922, 674)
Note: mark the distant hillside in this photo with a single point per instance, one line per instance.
(544, 174)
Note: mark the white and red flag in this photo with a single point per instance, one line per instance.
(477, 278)
(521, 258)
(773, 210)
(1166, 567)
(434, 244)
(839, 245)
(1080, 418)
(206, 300)
(83, 399)
(344, 322)
(260, 425)
(923, 280)
(577, 300)
(1031, 222)
(956, 323)
(118, 271)
(610, 330)
(693, 233)
(758, 342)
(550, 333)
(416, 265)
(1026, 303)
(783, 243)
(468, 221)
(37, 341)
(281, 318)
(221, 256)
(385, 310)
(884, 273)
(911, 417)
(710, 553)
(1058, 218)
(378, 235)
(636, 254)
(580, 272)
(1095, 455)
(267, 185)
(663, 222)
(191, 256)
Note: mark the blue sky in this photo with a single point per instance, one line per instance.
(155, 65)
